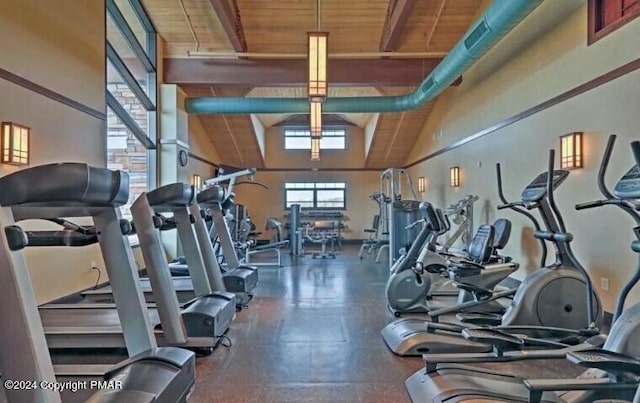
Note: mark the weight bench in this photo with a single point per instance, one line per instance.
(274, 246)
(326, 234)
(270, 247)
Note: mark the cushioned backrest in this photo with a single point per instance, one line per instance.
(442, 221)
(482, 244)
(376, 221)
(430, 216)
(502, 233)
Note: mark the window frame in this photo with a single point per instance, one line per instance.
(306, 130)
(594, 9)
(315, 190)
(147, 55)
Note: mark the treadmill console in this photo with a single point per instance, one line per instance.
(628, 187)
(537, 189)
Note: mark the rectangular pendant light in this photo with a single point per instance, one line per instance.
(318, 65)
(315, 149)
(315, 119)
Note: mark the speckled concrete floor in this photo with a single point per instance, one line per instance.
(312, 333)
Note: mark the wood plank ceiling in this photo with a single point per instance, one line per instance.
(259, 36)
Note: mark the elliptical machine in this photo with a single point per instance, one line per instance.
(564, 284)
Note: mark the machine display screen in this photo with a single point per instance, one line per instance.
(537, 189)
(541, 180)
(629, 186)
(634, 173)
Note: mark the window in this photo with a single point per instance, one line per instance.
(320, 195)
(131, 95)
(605, 16)
(300, 139)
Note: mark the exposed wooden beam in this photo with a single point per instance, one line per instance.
(229, 15)
(292, 72)
(397, 15)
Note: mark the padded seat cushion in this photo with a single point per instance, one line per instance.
(465, 269)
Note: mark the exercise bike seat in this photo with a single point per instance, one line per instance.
(465, 268)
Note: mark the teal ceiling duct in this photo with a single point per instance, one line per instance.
(497, 21)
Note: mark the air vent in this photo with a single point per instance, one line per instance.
(481, 30)
(427, 85)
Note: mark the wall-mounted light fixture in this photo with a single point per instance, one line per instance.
(15, 144)
(571, 150)
(318, 66)
(454, 176)
(422, 184)
(196, 181)
(315, 149)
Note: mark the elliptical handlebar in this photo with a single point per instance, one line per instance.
(515, 206)
(511, 205)
(616, 202)
(550, 195)
(629, 206)
(500, 192)
(591, 204)
(604, 164)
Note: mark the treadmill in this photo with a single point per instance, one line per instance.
(240, 281)
(613, 371)
(239, 278)
(201, 323)
(150, 374)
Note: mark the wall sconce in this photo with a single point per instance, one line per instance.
(571, 150)
(315, 119)
(422, 184)
(318, 65)
(315, 149)
(454, 176)
(15, 144)
(196, 181)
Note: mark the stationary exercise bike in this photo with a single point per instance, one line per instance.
(422, 273)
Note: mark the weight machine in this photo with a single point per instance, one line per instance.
(461, 214)
(396, 213)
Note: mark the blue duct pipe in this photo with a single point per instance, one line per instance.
(498, 20)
